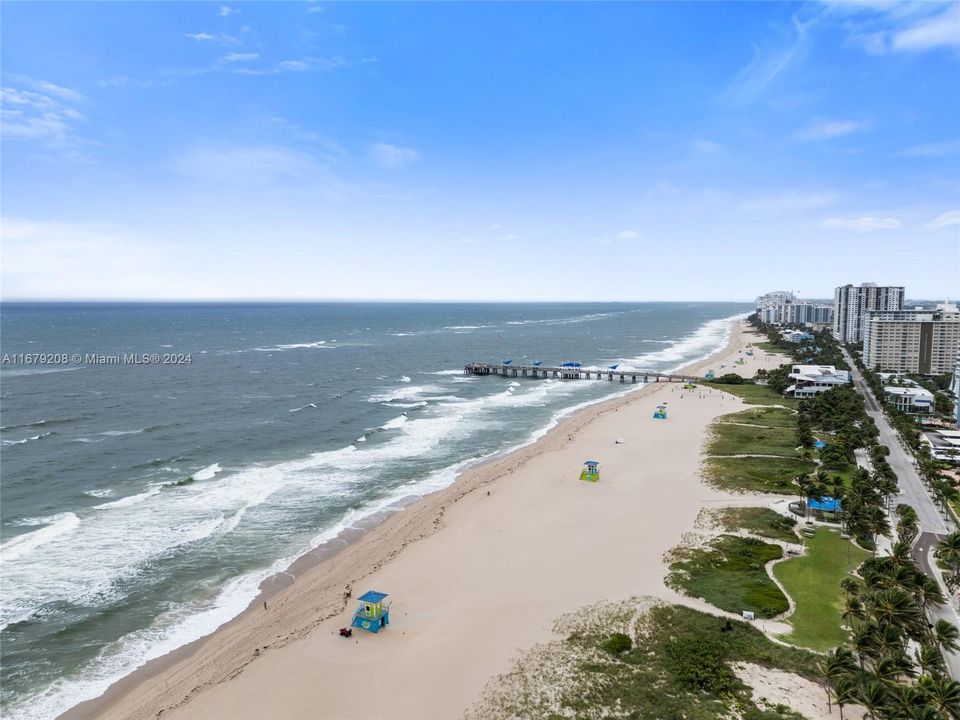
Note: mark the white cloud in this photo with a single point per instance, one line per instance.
(862, 224)
(199, 37)
(622, 236)
(828, 129)
(766, 65)
(82, 260)
(628, 235)
(43, 117)
(252, 166)
(707, 146)
(942, 30)
(390, 156)
(239, 57)
(897, 25)
(787, 202)
(932, 150)
(291, 66)
(227, 10)
(947, 219)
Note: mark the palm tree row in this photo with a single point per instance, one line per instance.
(894, 666)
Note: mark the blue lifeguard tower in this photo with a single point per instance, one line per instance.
(372, 614)
(591, 471)
(709, 375)
(661, 412)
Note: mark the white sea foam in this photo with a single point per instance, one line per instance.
(405, 378)
(445, 372)
(316, 345)
(129, 500)
(708, 338)
(308, 405)
(395, 423)
(100, 492)
(115, 433)
(59, 525)
(33, 438)
(207, 472)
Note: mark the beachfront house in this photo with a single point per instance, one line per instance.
(808, 380)
(910, 399)
(797, 336)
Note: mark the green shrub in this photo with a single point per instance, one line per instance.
(617, 643)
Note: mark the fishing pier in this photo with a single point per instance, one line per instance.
(572, 371)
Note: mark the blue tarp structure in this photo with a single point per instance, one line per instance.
(372, 597)
(826, 503)
(819, 444)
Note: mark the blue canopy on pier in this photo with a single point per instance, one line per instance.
(507, 362)
(612, 367)
(571, 364)
(537, 363)
(372, 596)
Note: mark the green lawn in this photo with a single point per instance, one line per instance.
(772, 475)
(758, 521)
(813, 581)
(729, 573)
(728, 439)
(769, 347)
(767, 416)
(754, 394)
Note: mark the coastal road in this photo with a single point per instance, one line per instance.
(912, 491)
(922, 551)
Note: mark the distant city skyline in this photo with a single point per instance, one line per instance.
(479, 152)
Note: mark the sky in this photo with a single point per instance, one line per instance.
(478, 151)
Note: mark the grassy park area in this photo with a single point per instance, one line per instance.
(728, 438)
(729, 573)
(755, 394)
(763, 474)
(767, 416)
(813, 581)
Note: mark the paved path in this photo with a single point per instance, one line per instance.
(922, 555)
(912, 491)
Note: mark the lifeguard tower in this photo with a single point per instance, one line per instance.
(661, 412)
(372, 614)
(709, 375)
(591, 471)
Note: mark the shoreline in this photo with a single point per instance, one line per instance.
(326, 574)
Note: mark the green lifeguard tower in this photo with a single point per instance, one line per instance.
(591, 471)
(661, 412)
(710, 375)
(372, 614)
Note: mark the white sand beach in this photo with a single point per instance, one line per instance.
(476, 573)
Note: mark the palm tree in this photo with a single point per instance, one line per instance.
(874, 696)
(929, 660)
(844, 693)
(927, 591)
(834, 666)
(863, 641)
(942, 693)
(948, 550)
(896, 608)
(946, 635)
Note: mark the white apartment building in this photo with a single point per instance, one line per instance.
(782, 307)
(808, 380)
(910, 399)
(851, 303)
(912, 341)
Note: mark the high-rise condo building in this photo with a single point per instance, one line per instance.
(851, 303)
(912, 341)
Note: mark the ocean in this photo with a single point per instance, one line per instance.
(142, 501)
